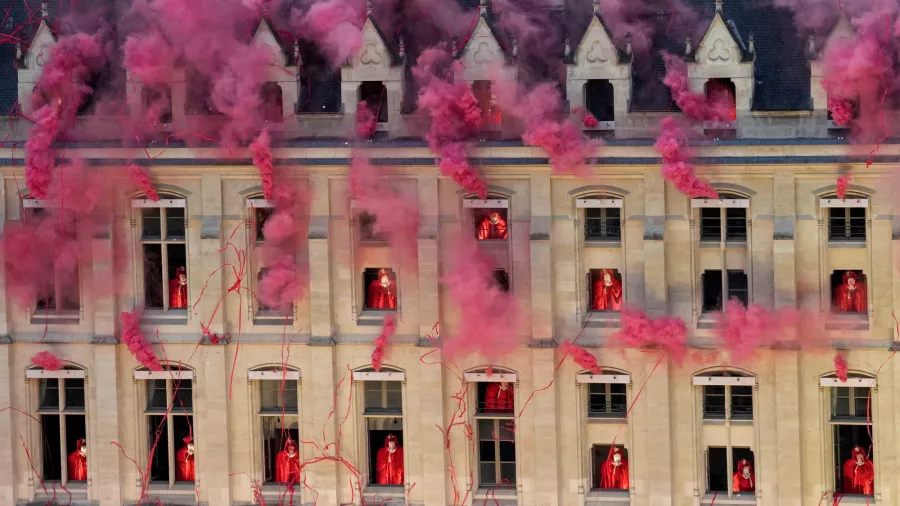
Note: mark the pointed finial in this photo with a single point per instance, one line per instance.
(751, 45)
(18, 50)
(265, 7)
(688, 48)
(453, 43)
(297, 58)
(596, 7)
(515, 48)
(369, 8)
(719, 6)
(483, 7)
(45, 10)
(628, 48)
(568, 50)
(401, 49)
(812, 44)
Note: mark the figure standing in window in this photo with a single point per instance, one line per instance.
(493, 226)
(382, 292)
(178, 294)
(850, 296)
(287, 463)
(859, 473)
(614, 471)
(77, 464)
(607, 292)
(498, 398)
(390, 462)
(184, 461)
(744, 477)
(493, 114)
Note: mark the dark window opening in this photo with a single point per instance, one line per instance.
(97, 83)
(850, 404)
(743, 470)
(711, 281)
(379, 431)
(199, 94)
(271, 103)
(847, 224)
(260, 216)
(368, 231)
(741, 402)
(602, 224)
(380, 288)
(278, 397)
(157, 397)
(720, 93)
(383, 397)
(374, 94)
(847, 111)
(604, 289)
(735, 220)
(50, 438)
(501, 279)
(276, 431)
(157, 442)
(717, 470)
(849, 441)
(491, 224)
(487, 102)
(848, 292)
(183, 427)
(320, 85)
(599, 99)
(607, 400)
(496, 398)
(599, 455)
(158, 103)
(49, 394)
(714, 402)
(496, 452)
(165, 257)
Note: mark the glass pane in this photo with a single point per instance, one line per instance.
(153, 276)
(262, 215)
(290, 395)
(508, 473)
(177, 275)
(75, 435)
(487, 451)
(841, 407)
(156, 395)
(158, 442)
(394, 394)
(184, 398)
(151, 224)
(486, 430)
(861, 405)
(269, 391)
(619, 404)
(276, 431)
(714, 401)
(49, 388)
(175, 224)
(507, 451)
(74, 393)
(50, 446)
(373, 393)
(488, 473)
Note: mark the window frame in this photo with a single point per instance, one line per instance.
(831, 423)
(725, 287)
(476, 378)
(831, 205)
(258, 379)
(603, 202)
(724, 204)
(359, 379)
(395, 277)
(499, 425)
(30, 205)
(34, 376)
(166, 201)
(473, 206)
(256, 312)
(142, 381)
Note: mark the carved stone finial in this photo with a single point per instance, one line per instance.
(628, 48)
(453, 43)
(568, 49)
(45, 10)
(515, 47)
(812, 44)
(751, 45)
(297, 58)
(688, 48)
(719, 6)
(483, 7)
(18, 50)
(369, 8)
(596, 7)
(265, 7)
(401, 50)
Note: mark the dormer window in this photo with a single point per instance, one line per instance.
(487, 101)
(720, 93)
(157, 102)
(599, 100)
(320, 85)
(199, 94)
(374, 94)
(97, 83)
(272, 101)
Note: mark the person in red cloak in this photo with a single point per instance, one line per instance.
(184, 462)
(607, 292)
(744, 479)
(382, 292)
(493, 226)
(287, 463)
(614, 471)
(850, 296)
(389, 463)
(722, 98)
(859, 473)
(178, 294)
(498, 398)
(77, 462)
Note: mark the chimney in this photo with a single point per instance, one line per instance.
(751, 45)
(401, 50)
(515, 48)
(568, 50)
(298, 60)
(453, 43)
(812, 45)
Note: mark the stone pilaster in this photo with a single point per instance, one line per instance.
(784, 232)
(7, 444)
(433, 470)
(213, 432)
(654, 245)
(541, 259)
(106, 480)
(787, 401)
(543, 410)
(321, 320)
(429, 302)
(320, 420)
(210, 281)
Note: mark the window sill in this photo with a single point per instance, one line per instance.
(179, 488)
(847, 321)
(53, 317)
(855, 243)
(273, 318)
(385, 490)
(729, 244)
(497, 491)
(375, 317)
(609, 497)
(732, 421)
(277, 489)
(722, 498)
(373, 243)
(54, 488)
(602, 243)
(161, 317)
(603, 319)
(854, 499)
(616, 419)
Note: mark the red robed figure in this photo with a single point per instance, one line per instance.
(614, 471)
(287, 464)
(493, 226)
(184, 462)
(744, 478)
(389, 463)
(178, 295)
(607, 292)
(859, 473)
(498, 398)
(77, 462)
(850, 296)
(382, 292)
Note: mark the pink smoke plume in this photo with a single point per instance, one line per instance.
(743, 329)
(841, 110)
(487, 315)
(46, 360)
(396, 216)
(141, 179)
(677, 168)
(134, 339)
(640, 331)
(642, 19)
(855, 73)
(335, 26)
(581, 356)
(843, 181)
(840, 367)
(390, 326)
(719, 106)
(587, 119)
(262, 160)
(149, 57)
(366, 123)
(455, 116)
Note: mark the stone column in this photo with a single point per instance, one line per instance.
(787, 401)
(211, 313)
(783, 243)
(213, 428)
(105, 458)
(429, 302)
(7, 444)
(543, 412)
(429, 411)
(654, 245)
(541, 259)
(321, 318)
(320, 420)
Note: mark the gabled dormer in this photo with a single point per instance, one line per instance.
(487, 55)
(373, 76)
(598, 80)
(279, 93)
(841, 33)
(31, 62)
(721, 65)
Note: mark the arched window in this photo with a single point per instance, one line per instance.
(157, 102)
(58, 292)
(276, 398)
(163, 253)
(846, 217)
(168, 422)
(272, 102)
(851, 426)
(61, 410)
(382, 416)
(495, 425)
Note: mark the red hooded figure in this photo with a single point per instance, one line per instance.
(859, 473)
(744, 478)
(77, 462)
(850, 296)
(389, 463)
(184, 462)
(287, 463)
(614, 471)
(178, 294)
(607, 292)
(493, 226)
(499, 398)
(382, 292)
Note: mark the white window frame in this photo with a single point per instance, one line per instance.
(720, 203)
(486, 203)
(142, 379)
(258, 379)
(828, 424)
(365, 445)
(37, 441)
(140, 288)
(254, 308)
(56, 311)
(843, 203)
(598, 203)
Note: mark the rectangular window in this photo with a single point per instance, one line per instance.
(733, 220)
(170, 430)
(853, 459)
(61, 411)
(599, 99)
(62, 294)
(158, 103)
(496, 452)
(711, 281)
(616, 478)
(495, 398)
(850, 404)
(380, 289)
(738, 287)
(602, 224)
(260, 216)
(848, 292)
(374, 94)
(491, 224)
(607, 400)
(280, 430)
(383, 397)
(164, 253)
(501, 279)
(847, 224)
(734, 400)
(710, 224)
(717, 469)
(367, 229)
(604, 290)
(383, 418)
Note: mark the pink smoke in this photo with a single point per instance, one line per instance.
(149, 57)
(640, 331)
(841, 110)
(641, 20)
(396, 217)
(455, 116)
(262, 160)
(390, 326)
(366, 123)
(335, 26)
(840, 367)
(717, 107)
(743, 329)
(843, 181)
(488, 316)
(47, 360)
(134, 339)
(677, 168)
(581, 356)
(141, 179)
